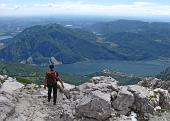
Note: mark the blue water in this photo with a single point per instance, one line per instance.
(138, 68)
(5, 37)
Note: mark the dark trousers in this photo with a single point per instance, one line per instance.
(54, 88)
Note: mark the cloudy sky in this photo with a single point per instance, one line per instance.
(85, 7)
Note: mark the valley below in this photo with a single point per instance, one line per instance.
(132, 47)
(136, 68)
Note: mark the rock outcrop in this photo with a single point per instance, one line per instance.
(54, 61)
(122, 101)
(153, 83)
(96, 105)
(7, 105)
(10, 84)
(142, 103)
(100, 99)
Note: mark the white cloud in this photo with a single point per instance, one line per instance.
(137, 8)
(143, 3)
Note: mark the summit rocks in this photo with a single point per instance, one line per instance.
(100, 99)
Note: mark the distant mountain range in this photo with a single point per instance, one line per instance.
(117, 40)
(67, 45)
(135, 39)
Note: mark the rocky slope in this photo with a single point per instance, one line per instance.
(100, 99)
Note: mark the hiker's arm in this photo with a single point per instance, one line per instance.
(61, 82)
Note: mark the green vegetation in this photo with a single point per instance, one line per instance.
(127, 80)
(74, 79)
(24, 80)
(33, 74)
(122, 78)
(17, 69)
(67, 45)
(135, 40)
(117, 40)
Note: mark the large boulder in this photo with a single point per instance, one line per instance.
(101, 83)
(164, 98)
(104, 84)
(123, 101)
(7, 104)
(85, 86)
(96, 105)
(142, 102)
(10, 85)
(7, 98)
(99, 79)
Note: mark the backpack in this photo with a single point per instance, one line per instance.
(51, 77)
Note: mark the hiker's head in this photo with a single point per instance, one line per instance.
(51, 67)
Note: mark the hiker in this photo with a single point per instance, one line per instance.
(51, 79)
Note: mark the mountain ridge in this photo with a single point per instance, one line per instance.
(65, 44)
(117, 40)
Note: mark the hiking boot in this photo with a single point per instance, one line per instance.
(54, 103)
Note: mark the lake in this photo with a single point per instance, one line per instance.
(138, 68)
(5, 37)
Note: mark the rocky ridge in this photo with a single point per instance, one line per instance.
(100, 99)
(153, 83)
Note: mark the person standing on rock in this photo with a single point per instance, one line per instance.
(51, 79)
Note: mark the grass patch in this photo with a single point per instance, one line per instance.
(24, 80)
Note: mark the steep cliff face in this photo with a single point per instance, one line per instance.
(100, 99)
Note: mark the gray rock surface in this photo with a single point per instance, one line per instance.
(101, 99)
(10, 85)
(153, 83)
(54, 61)
(7, 105)
(142, 103)
(161, 117)
(95, 105)
(164, 98)
(123, 101)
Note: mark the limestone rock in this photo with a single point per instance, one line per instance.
(161, 117)
(101, 99)
(142, 103)
(100, 79)
(123, 101)
(54, 61)
(95, 105)
(153, 83)
(7, 104)
(104, 84)
(68, 86)
(85, 86)
(10, 85)
(164, 98)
